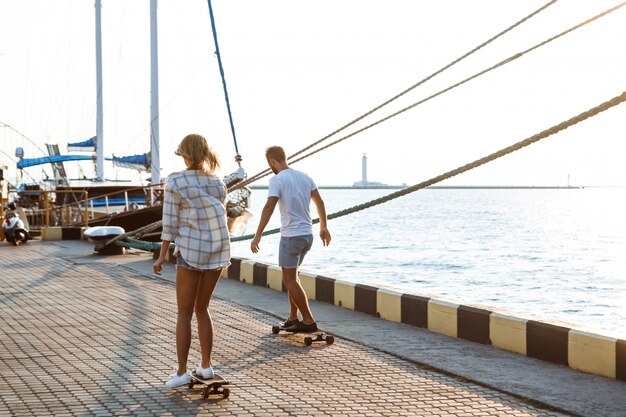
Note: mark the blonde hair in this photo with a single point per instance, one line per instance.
(197, 151)
(276, 153)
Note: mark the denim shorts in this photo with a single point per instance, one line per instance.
(292, 250)
(180, 262)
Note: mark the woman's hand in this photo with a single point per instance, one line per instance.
(157, 267)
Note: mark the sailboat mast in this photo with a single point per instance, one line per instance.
(154, 96)
(99, 117)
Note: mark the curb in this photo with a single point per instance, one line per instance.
(62, 233)
(588, 352)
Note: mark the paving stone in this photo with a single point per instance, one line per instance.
(102, 343)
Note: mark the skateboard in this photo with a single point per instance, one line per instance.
(309, 338)
(215, 385)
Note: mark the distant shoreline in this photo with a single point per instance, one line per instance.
(450, 187)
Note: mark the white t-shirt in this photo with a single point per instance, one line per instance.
(293, 189)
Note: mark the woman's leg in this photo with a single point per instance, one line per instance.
(206, 286)
(186, 287)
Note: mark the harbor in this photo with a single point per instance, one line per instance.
(476, 265)
(100, 331)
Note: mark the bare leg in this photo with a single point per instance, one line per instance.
(297, 294)
(186, 287)
(293, 308)
(206, 286)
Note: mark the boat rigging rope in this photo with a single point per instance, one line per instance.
(219, 62)
(14, 161)
(502, 152)
(32, 142)
(144, 229)
(535, 138)
(40, 150)
(478, 74)
(397, 96)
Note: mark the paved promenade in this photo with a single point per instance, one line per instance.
(83, 335)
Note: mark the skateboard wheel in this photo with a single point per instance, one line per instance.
(308, 341)
(330, 340)
(226, 393)
(275, 329)
(205, 394)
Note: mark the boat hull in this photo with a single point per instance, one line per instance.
(133, 220)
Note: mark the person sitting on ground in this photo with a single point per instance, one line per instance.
(194, 217)
(293, 191)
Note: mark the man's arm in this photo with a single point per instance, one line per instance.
(321, 212)
(266, 214)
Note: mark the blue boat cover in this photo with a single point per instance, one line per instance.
(29, 162)
(134, 161)
(88, 145)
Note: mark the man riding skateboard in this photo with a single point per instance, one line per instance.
(293, 191)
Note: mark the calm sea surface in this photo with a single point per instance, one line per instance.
(555, 254)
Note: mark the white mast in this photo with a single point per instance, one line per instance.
(154, 96)
(99, 117)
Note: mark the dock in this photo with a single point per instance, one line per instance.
(89, 335)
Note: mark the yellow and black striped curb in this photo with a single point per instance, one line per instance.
(62, 233)
(577, 349)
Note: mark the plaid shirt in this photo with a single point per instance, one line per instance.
(195, 218)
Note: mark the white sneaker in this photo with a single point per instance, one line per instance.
(206, 373)
(178, 380)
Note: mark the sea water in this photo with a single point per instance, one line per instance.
(546, 254)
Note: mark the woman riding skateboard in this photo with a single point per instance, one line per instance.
(194, 217)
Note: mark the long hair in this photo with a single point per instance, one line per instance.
(197, 151)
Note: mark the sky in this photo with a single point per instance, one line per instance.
(297, 71)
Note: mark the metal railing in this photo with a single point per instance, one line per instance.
(68, 214)
(45, 213)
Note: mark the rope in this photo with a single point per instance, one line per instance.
(499, 64)
(14, 161)
(144, 229)
(219, 61)
(505, 151)
(592, 112)
(40, 150)
(397, 96)
(139, 244)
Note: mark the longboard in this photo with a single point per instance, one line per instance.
(308, 338)
(216, 385)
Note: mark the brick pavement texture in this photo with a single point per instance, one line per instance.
(98, 340)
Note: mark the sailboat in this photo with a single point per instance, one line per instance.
(127, 205)
(104, 198)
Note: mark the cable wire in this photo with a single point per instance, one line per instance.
(502, 152)
(397, 96)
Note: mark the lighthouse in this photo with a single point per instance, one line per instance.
(364, 170)
(364, 183)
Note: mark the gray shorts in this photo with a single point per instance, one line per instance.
(292, 250)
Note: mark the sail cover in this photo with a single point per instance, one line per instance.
(139, 162)
(88, 145)
(29, 162)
